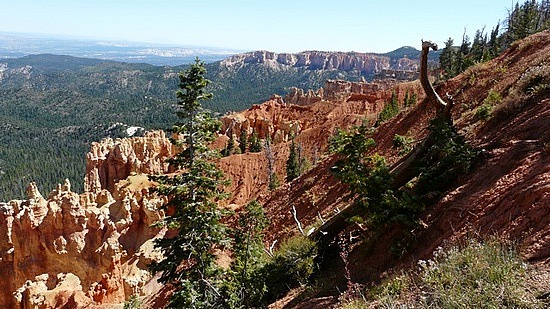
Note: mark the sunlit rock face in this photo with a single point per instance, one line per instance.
(74, 249)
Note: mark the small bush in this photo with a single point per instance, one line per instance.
(444, 162)
(534, 84)
(355, 304)
(493, 98)
(389, 111)
(403, 143)
(291, 266)
(389, 293)
(274, 182)
(489, 275)
(133, 302)
(536, 80)
(484, 112)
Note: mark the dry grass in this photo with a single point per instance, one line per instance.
(476, 274)
(533, 85)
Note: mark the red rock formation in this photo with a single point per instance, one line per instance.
(311, 125)
(112, 160)
(340, 91)
(299, 97)
(101, 239)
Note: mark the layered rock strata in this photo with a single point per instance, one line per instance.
(365, 63)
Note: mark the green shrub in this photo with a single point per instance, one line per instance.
(536, 80)
(291, 266)
(484, 112)
(388, 294)
(443, 163)
(355, 304)
(389, 111)
(493, 98)
(403, 143)
(274, 182)
(533, 85)
(133, 302)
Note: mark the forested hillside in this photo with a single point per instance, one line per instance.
(54, 106)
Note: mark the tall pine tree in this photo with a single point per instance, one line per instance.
(245, 286)
(292, 163)
(243, 140)
(189, 264)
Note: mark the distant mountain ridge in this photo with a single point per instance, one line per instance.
(16, 45)
(368, 64)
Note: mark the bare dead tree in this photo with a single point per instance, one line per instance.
(403, 170)
(442, 108)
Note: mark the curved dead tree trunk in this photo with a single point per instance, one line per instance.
(403, 170)
(443, 108)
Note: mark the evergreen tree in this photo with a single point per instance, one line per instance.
(255, 144)
(463, 62)
(412, 99)
(230, 147)
(447, 59)
(544, 15)
(245, 288)
(494, 43)
(292, 163)
(243, 140)
(527, 19)
(189, 265)
(390, 109)
(523, 20)
(478, 46)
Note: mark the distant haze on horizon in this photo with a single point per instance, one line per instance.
(278, 26)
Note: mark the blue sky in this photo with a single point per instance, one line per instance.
(276, 25)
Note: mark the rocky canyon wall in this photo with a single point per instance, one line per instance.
(112, 160)
(315, 60)
(94, 246)
(69, 249)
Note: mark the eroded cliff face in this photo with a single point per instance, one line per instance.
(314, 60)
(102, 239)
(340, 91)
(112, 160)
(310, 126)
(334, 105)
(76, 249)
